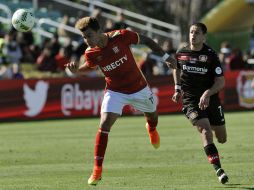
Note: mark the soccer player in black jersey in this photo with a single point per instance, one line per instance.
(198, 79)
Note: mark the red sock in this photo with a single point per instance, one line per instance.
(152, 124)
(101, 141)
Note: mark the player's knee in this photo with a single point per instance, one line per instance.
(205, 131)
(105, 126)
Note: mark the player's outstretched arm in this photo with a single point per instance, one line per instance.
(170, 61)
(74, 67)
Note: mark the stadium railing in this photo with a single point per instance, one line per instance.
(5, 16)
(150, 25)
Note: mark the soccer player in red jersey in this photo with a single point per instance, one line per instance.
(125, 84)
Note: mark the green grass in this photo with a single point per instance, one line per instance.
(58, 155)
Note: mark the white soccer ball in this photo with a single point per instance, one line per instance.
(23, 20)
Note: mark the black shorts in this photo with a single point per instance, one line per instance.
(214, 112)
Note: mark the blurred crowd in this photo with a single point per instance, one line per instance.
(53, 53)
(232, 58)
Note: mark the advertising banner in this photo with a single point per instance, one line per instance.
(81, 97)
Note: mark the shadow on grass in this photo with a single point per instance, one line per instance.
(236, 186)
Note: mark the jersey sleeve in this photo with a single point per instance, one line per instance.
(88, 61)
(129, 37)
(216, 66)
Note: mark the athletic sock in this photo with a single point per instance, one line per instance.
(213, 156)
(101, 141)
(152, 124)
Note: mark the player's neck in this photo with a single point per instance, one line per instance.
(196, 47)
(103, 41)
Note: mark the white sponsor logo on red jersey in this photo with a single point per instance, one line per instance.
(115, 49)
(115, 64)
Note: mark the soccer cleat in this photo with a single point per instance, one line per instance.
(154, 137)
(95, 177)
(222, 176)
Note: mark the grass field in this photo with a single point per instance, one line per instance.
(58, 155)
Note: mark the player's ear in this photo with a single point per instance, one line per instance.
(204, 38)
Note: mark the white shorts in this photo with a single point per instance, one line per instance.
(144, 101)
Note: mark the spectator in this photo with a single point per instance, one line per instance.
(63, 57)
(235, 60)
(61, 31)
(109, 25)
(2, 53)
(80, 49)
(252, 41)
(12, 49)
(97, 14)
(167, 46)
(46, 61)
(147, 65)
(64, 34)
(224, 53)
(54, 45)
(5, 72)
(25, 40)
(120, 23)
(35, 52)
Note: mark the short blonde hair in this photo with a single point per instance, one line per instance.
(87, 22)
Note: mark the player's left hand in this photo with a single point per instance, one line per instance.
(176, 97)
(204, 101)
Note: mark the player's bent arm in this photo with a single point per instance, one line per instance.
(170, 61)
(151, 44)
(219, 83)
(76, 68)
(84, 68)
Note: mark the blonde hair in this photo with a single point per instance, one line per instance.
(87, 22)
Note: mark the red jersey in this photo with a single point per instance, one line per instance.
(117, 62)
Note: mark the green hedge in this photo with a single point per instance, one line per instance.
(237, 39)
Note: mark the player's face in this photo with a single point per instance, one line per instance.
(91, 37)
(196, 36)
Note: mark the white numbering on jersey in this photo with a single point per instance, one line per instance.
(220, 109)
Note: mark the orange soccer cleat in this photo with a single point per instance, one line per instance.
(154, 137)
(95, 177)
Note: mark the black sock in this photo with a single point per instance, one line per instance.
(213, 155)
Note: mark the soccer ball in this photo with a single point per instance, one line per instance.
(23, 20)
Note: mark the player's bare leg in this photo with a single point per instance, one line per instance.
(101, 140)
(220, 133)
(151, 124)
(210, 149)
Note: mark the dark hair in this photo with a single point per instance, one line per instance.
(87, 22)
(200, 25)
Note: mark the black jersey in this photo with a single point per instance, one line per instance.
(198, 70)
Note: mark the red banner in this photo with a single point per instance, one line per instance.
(82, 97)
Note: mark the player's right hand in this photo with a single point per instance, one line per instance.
(176, 97)
(72, 66)
(171, 63)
